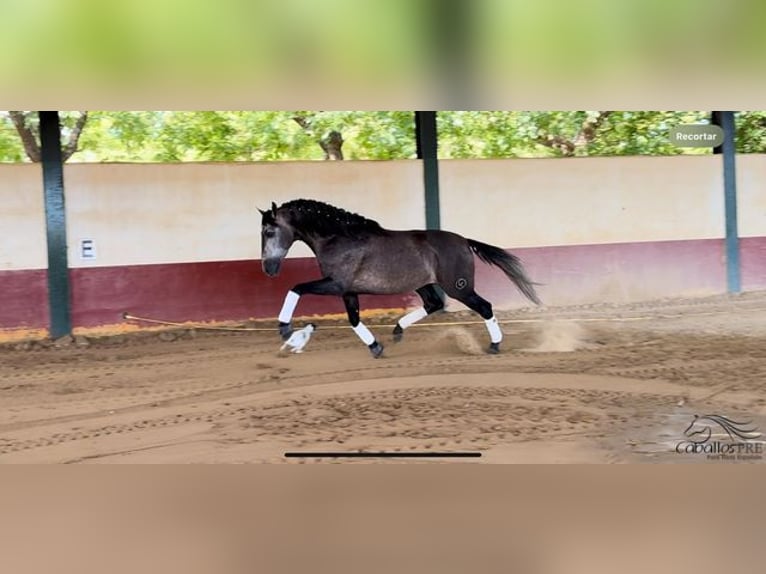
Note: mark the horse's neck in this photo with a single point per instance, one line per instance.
(313, 241)
(312, 238)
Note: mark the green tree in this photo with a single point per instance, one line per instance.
(316, 135)
(561, 133)
(247, 136)
(11, 149)
(365, 135)
(751, 132)
(27, 127)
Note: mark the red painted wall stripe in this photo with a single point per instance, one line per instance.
(574, 274)
(212, 291)
(753, 261)
(237, 290)
(24, 299)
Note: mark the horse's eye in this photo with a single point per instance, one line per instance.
(269, 233)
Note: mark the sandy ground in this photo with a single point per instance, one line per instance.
(592, 384)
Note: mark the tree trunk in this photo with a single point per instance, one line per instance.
(74, 138)
(331, 144)
(30, 135)
(585, 136)
(566, 147)
(589, 128)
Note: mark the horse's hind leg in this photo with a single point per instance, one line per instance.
(484, 308)
(432, 302)
(351, 300)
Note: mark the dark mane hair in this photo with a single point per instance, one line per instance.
(319, 218)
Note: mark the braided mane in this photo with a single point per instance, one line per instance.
(318, 218)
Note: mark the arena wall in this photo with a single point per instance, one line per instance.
(751, 196)
(181, 241)
(595, 229)
(23, 251)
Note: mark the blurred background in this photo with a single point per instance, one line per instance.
(450, 54)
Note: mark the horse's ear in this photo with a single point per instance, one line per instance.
(273, 208)
(261, 211)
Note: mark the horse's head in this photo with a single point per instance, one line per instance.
(699, 431)
(276, 238)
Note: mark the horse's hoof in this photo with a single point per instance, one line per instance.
(494, 348)
(376, 349)
(285, 330)
(398, 333)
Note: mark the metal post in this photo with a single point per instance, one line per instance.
(55, 224)
(427, 147)
(728, 151)
(425, 134)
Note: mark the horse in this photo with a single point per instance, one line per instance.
(700, 430)
(358, 256)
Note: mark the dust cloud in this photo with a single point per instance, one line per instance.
(460, 339)
(560, 337)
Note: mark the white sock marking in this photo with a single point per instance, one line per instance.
(291, 300)
(364, 334)
(495, 334)
(412, 317)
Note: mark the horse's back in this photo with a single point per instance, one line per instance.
(448, 254)
(398, 261)
(433, 244)
(445, 240)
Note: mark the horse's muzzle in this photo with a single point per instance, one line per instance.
(271, 266)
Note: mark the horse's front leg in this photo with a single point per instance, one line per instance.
(324, 286)
(351, 300)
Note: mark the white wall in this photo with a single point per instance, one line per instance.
(544, 202)
(140, 214)
(751, 195)
(22, 218)
(153, 213)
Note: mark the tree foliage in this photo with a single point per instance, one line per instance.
(245, 136)
(27, 127)
(561, 134)
(316, 135)
(751, 132)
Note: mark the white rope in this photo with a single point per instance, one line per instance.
(130, 317)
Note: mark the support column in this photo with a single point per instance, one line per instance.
(427, 150)
(425, 134)
(55, 224)
(728, 151)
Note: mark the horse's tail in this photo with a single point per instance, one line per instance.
(510, 264)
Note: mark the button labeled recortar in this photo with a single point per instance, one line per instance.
(696, 135)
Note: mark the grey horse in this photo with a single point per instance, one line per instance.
(358, 256)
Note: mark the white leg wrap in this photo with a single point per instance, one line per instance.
(495, 334)
(364, 333)
(412, 317)
(291, 300)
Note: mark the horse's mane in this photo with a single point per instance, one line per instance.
(743, 430)
(319, 218)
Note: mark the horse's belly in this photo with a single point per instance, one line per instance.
(387, 280)
(381, 287)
